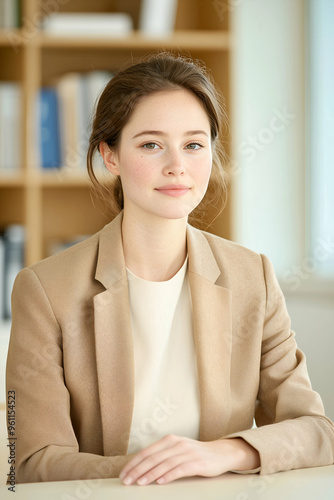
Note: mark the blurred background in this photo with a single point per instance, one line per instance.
(272, 61)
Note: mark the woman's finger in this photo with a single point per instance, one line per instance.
(149, 458)
(179, 462)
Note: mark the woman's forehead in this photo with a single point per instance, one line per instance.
(174, 106)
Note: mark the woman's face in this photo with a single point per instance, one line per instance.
(164, 157)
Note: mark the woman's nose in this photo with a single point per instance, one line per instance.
(174, 164)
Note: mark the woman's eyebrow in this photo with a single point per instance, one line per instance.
(160, 132)
(197, 132)
(149, 132)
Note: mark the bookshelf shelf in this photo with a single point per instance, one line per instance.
(60, 180)
(215, 40)
(11, 37)
(57, 204)
(12, 181)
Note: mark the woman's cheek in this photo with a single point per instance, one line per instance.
(143, 173)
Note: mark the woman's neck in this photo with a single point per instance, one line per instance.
(154, 249)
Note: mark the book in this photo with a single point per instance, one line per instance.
(10, 126)
(10, 14)
(157, 17)
(88, 24)
(71, 114)
(50, 147)
(2, 13)
(14, 261)
(93, 84)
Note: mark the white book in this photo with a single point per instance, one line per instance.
(2, 13)
(93, 84)
(157, 17)
(71, 119)
(14, 248)
(88, 24)
(10, 127)
(9, 14)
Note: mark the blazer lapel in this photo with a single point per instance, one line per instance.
(114, 345)
(212, 336)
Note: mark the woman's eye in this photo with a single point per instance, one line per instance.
(194, 145)
(150, 145)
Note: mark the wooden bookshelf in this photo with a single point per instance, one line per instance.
(53, 204)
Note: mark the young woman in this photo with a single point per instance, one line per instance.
(147, 351)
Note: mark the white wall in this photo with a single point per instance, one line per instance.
(321, 103)
(268, 128)
(312, 317)
(269, 169)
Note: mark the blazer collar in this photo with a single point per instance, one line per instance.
(110, 266)
(201, 259)
(114, 345)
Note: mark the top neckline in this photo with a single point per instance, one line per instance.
(180, 274)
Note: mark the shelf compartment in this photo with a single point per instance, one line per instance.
(11, 67)
(73, 205)
(12, 205)
(191, 14)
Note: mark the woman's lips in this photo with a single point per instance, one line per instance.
(174, 190)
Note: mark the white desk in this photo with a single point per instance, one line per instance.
(304, 484)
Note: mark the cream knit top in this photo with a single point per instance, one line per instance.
(166, 387)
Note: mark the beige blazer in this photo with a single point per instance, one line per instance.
(71, 365)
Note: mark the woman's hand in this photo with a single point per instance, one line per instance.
(173, 457)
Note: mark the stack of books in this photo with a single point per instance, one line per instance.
(156, 18)
(66, 111)
(87, 24)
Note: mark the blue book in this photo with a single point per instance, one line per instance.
(49, 128)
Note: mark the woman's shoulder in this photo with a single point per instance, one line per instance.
(66, 269)
(225, 248)
(79, 262)
(73, 255)
(239, 267)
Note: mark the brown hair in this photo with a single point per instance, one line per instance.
(157, 72)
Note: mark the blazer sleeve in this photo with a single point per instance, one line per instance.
(292, 431)
(47, 448)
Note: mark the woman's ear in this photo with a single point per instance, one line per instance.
(109, 157)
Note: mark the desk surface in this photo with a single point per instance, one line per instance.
(303, 484)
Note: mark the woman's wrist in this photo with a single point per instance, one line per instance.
(243, 455)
